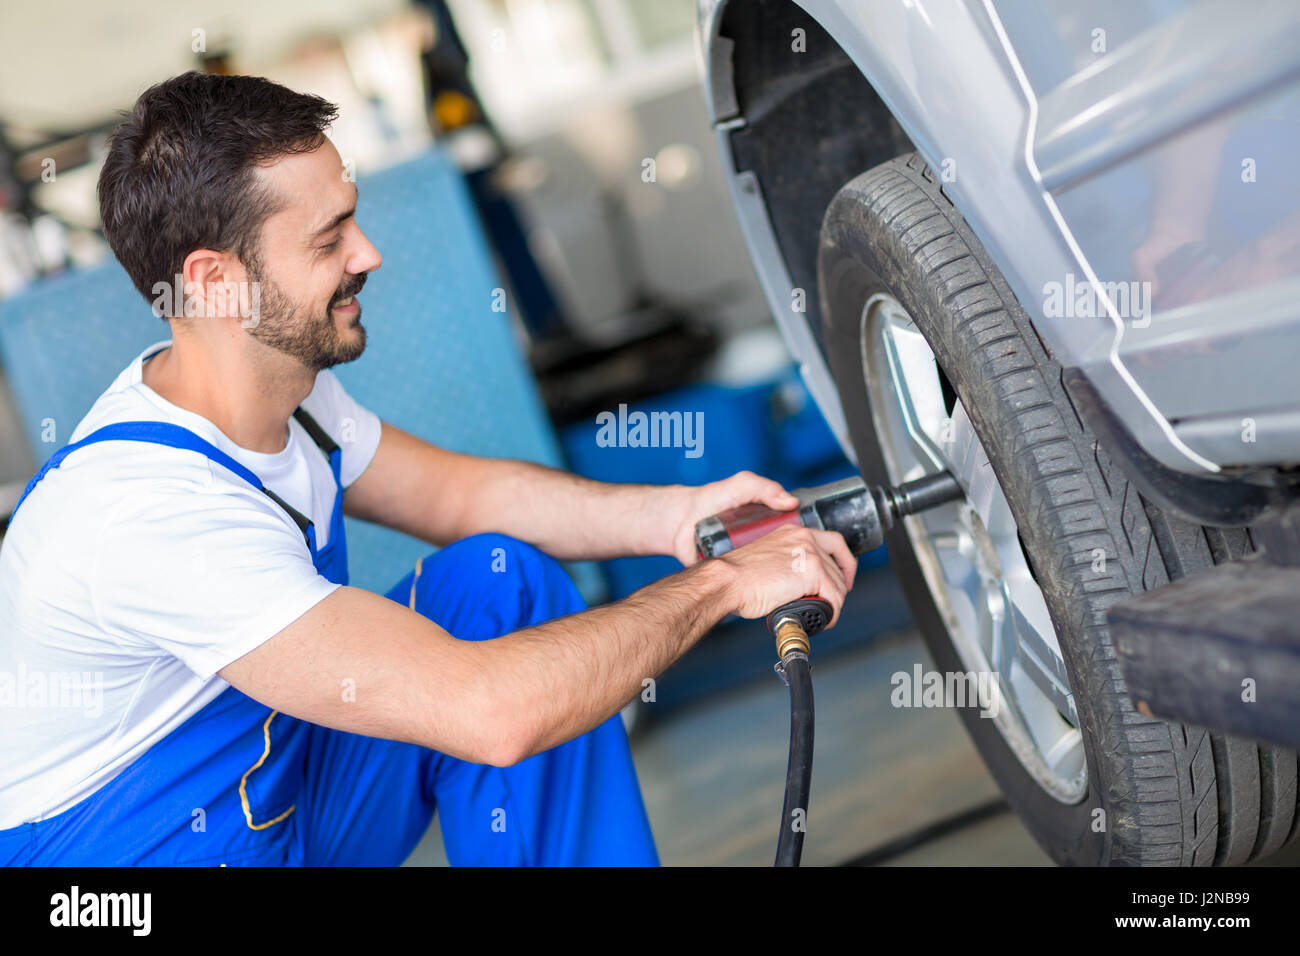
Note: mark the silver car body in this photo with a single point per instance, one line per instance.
(1059, 145)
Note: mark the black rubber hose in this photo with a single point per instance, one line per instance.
(798, 773)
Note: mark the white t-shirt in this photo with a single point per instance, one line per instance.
(134, 572)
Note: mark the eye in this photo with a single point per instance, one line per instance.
(332, 246)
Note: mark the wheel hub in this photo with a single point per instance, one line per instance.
(971, 555)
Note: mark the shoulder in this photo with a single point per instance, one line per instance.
(156, 492)
(121, 401)
(158, 518)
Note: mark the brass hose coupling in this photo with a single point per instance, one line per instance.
(795, 622)
(790, 636)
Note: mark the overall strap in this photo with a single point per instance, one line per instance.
(322, 440)
(175, 436)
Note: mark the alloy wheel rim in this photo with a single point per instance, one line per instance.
(971, 556)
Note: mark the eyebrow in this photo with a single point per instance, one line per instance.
(346, 214)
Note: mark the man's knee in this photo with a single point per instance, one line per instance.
(490, 584)
(536, 575)
(493, 553)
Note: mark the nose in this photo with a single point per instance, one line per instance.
(366, 257)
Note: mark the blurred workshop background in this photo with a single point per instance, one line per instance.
(542, 180)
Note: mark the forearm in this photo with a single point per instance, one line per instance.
(441, 496)
(495, 701)
(562, 678)
(567, 516)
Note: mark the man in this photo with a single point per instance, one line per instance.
(182, 559)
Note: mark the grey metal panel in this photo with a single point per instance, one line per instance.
(953, 83)
(1170, 76)
(722, 103)
(1253, 438)
(1221, 331)
(1144, 150)
(1232, 353)
(715, 55)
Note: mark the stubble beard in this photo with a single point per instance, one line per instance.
(313, 340)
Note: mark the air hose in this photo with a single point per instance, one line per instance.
(793, 624)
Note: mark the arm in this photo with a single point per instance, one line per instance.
(503, 700)
(441, 496)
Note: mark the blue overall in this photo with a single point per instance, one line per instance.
(241, 784)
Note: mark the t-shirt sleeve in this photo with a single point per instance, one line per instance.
(204, 574)
(355, 428)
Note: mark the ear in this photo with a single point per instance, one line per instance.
(213, 286)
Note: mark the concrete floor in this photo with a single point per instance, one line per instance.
(713, 772)
(713, 777)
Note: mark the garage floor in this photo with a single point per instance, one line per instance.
(713, 778)
(713, 772)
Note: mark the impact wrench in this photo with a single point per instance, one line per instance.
(862, 514)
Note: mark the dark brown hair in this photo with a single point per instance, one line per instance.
(179, 174)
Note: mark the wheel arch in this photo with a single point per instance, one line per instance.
(774, 107)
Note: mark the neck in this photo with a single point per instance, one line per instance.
(244, 388)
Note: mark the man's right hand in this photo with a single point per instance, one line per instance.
(789, 563)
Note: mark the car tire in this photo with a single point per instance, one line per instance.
(1155, 792)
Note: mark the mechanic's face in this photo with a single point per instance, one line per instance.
(314, 260)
